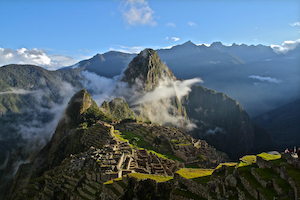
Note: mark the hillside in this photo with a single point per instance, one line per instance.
(21, 83)
(283, 124)
(107, 148)
(118, 170)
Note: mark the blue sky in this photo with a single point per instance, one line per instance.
(79, 29)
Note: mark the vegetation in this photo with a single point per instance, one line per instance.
(157, 178)
(268, 157)
(190, 173)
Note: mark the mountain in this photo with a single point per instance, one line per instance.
(76, 139)
(20, 83)
(147, 68)
(108, 64)
(260, 79)
(117, 108)
(223, 123)
(155, 95)
(220, 120)
(283, 124)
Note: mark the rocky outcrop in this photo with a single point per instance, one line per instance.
(147, 70)
(117, 108)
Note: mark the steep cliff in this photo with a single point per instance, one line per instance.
(146, 71)
(117, 108)
(223, 123)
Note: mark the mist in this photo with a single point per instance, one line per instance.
(157, 105)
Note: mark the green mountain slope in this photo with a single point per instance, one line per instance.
(33, 80)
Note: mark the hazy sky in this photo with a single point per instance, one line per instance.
(82, 28)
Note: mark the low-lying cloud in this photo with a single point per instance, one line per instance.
(168, 89)
(17, 91)
(157, 105)
(34, 56)
(286, 46)
(265, 78)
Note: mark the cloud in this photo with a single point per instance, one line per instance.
(175, 38)
(34, 56)
(104, 89)
(170, 24)
(192, 24)
(286, 46)
(127, 49)
(216, 130)
(155, 105)
(168, 89)
(264, 78)
(295, 24)
(17, 91)
(136, 12)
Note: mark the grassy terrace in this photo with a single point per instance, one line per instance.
(269, 157)
(141, 143)
(157, 178)
(268, 175)
(294, 173)
(190, 173)
(268, 193)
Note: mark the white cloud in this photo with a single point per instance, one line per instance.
(127, 49)
(286, 46)
(137, 12)
(175, 38)
(265, 78)
(34, 56)
(170, 24)
(192, 24)
(18, 91)
(295, 24)
(207, 45)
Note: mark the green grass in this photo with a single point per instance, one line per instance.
(268, 175)
(268, 157)
(249, 158)
(268, 193)
(229, 164)
(126, 136)
(112, 180)
(202, 180)
(129, 135)
(157, 178)
(294, 174)
(190, 173)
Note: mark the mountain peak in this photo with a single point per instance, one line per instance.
(148, 68)
(216, 45)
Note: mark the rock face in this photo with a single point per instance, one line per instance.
(117, 108)
(223, 123)
(147, 69)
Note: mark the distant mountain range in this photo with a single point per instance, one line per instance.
(32, 99)
(260, 79)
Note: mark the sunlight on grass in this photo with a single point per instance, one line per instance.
(157, 178)
(268, 157)
(190, 173)
(229, 164)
